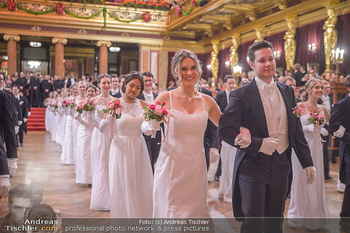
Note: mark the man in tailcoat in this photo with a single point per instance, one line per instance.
(114, 86)
(339, 126)
(23, 111)
(22, 83)
(58, 83)
(259, 121)
(34, 84)
(45, 87)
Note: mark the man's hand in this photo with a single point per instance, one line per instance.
(244, 138)
(213, 154)
(310, 174)
(340, 132)
(268, 145)
(4, 186)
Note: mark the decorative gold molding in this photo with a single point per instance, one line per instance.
(11, 37)
(56, 40)
(36, 28)
(82, 31)
(103, 43)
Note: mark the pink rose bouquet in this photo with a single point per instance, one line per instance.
(79, 109)
(156, 113)
(316, 118)
(297, 111)
(114, 109)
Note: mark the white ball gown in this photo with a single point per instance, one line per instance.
(67, 155)
(308, 201)
(180, 176)
(130, 171)
(83, 164)
(100, 146)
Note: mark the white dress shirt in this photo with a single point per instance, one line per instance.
(275, 113)
(149, 98)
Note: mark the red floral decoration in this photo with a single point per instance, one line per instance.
(11, 5)
(194, 3)
(60, 8)
(146, 16)
(178, 11)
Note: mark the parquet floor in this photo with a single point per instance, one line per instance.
(39, 163)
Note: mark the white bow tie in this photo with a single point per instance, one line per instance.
(272, 86)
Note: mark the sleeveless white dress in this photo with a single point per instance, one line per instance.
(67, 155)
(180, 176)
(308, 201)
(130, 171)
(100, 146)
(83, 163)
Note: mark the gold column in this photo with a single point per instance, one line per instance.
(214, 62)
(233, 51)
(11, 52)
(59, 55)
(289, 43)
(103, 64)
(259, 34)
(330, 36)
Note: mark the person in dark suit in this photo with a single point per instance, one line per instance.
(153, 144)
(298, 75)
(327, 101)
(34, 84)
(22, 83)
(45, 87)
(67, 82)
(114, 85)
(222, 100)
(7, 134)
(259, 122)
(24, 112)
(339, 126)
(58, 83)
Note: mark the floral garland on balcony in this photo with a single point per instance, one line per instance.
(179, 11)
(61, 9)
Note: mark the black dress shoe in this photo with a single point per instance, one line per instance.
(328, 178)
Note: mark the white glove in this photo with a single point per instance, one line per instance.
(16, 129)
(4, 186)
(309, 128)
(25, 120)
(324, 132)
(29, 114)
(244, 138)
(150, 127)
(19, 123)
(104, 122)
(213, 154)
(310, 174)
(268, 145)
(340, 132)
(12, 164)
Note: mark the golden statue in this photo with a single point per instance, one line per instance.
(233, 53)
(289, 44)
(330, 37)
(259, 35)
(214, 61)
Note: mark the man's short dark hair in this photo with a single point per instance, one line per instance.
(21, 190)
(122, 76)
(114, 76)
(147, 73)
(288, 79)
(347, 80)
(227, 77)
(257, 46)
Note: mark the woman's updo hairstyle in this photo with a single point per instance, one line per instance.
(131, 76)
(177, 60)
(308, 87)
(92, 86)
(101, 76)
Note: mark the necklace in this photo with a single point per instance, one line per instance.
(188, 98)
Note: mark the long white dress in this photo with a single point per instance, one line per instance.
(83, 164)
(228, 155)
(130, 171)
(100, 146)
(67, 155)
(308, 201)
(180, 176)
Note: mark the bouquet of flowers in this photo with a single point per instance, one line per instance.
(64, 103)
(79, 109)
(54, 107)
(297, 111)
(156, 113)
(114, 109)
(316, 118)
(89, 106)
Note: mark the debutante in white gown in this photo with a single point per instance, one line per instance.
(180, 176)
(67, 155)
(83, 164)
(308, 201)
(130, 171)
(100, 146)
(228, 155)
